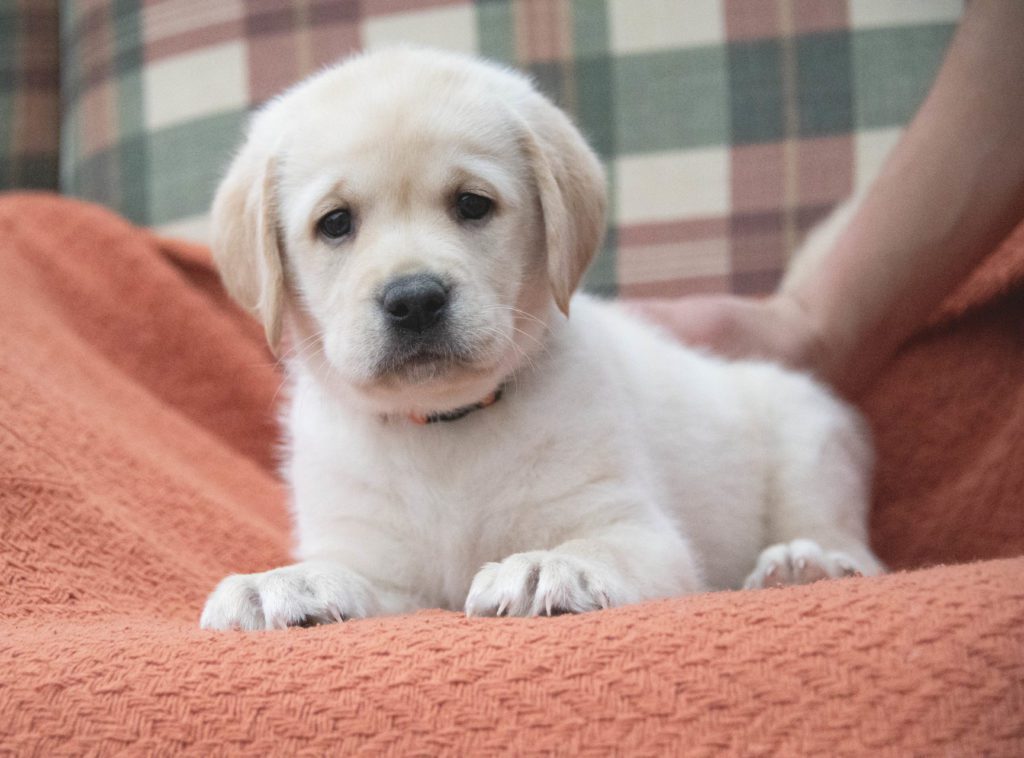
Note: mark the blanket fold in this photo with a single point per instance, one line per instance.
(137, 468)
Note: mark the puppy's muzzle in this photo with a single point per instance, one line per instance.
(413, 304)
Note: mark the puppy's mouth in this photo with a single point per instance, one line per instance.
(422, 362)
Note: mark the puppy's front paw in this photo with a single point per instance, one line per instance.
(305, 594)
(800, 562)
(541, 582)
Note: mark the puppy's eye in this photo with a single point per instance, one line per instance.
(472, 207)
(335, 224)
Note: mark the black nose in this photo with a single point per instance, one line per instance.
(414, 303)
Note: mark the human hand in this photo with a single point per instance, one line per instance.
(775, 328)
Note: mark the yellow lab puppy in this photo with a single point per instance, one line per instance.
(416, 223)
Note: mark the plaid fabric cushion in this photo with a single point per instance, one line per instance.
(728, 127)
(29, 94)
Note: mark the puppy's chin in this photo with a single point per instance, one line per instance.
(430, 384)
(429, 387)
(408, 372)
(395, 378)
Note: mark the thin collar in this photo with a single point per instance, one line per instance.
(431, 418)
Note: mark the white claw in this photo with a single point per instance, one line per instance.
(502, 608)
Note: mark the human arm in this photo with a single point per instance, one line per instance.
(951, 189)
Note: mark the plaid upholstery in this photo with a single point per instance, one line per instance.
(29, 94)
(728, 127)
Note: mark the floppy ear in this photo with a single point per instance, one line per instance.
(245, 238)
(570, 182)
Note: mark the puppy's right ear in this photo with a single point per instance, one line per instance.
(245, 238)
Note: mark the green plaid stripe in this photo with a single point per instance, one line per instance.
(892, 69)
(727, 126)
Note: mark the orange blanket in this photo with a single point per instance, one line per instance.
(136, 428)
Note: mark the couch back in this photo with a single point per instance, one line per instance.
(727, 127)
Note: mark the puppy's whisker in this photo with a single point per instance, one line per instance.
(537, 341)
(541, 344)
(503, 337)
(517, 311)
(310, 347)
(299, 346)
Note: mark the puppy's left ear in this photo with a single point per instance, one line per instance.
(571, 185)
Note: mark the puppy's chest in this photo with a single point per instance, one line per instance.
(482, 492)
(428, 506)
(480, 481)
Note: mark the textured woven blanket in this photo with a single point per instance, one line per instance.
(136, 469)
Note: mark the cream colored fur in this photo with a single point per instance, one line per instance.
(618, 467)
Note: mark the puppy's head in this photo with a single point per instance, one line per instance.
(412, 217)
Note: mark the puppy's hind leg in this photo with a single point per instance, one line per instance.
(816, 522)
